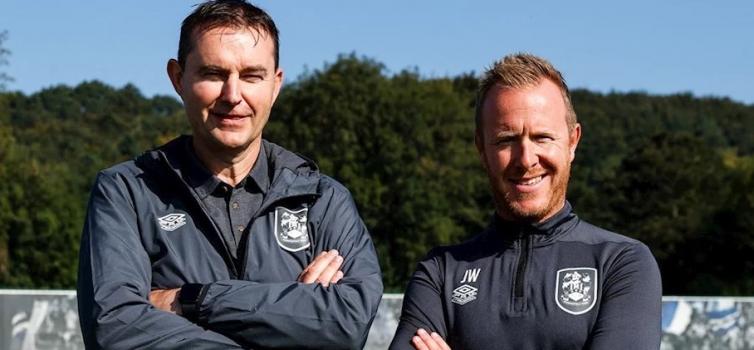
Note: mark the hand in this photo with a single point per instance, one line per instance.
(424, 341)
(325, 269)
(166, 300)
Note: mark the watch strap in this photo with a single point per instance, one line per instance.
(190, 298)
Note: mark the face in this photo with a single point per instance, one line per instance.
(527, 150)
(228, 86)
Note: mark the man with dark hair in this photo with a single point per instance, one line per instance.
(538, 277)
(222, 239)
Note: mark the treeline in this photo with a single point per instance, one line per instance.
(676, 172)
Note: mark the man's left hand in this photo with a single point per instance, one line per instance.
(325, 269)
(166, 300)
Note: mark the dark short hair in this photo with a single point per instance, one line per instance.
(522, 70)
(225, 13)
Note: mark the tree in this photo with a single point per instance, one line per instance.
(7, 162)
(733, 230)
(675, 171)
(667, 193)
(52, 143)
(4, 53)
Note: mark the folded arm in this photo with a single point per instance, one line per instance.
(114, 283)
(631, 306)
(422, 321)
(299, 314)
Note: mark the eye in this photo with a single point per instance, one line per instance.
(504, 140)
(252, 78)
(544, 138)
(212, 75)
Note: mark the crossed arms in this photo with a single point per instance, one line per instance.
(331, 305)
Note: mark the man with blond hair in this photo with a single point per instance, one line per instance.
(537, 277)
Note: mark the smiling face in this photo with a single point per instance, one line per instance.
(527, 149)
(228, 86)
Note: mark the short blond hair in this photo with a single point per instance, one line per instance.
(521, 70)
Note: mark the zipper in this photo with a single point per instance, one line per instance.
(191, 198)
(523, 260)
(234, 274)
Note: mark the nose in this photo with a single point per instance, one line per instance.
(231, 92)
(526, 155)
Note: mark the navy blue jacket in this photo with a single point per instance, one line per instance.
(561, 284)
(145, 229)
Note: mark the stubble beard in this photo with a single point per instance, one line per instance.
(508, 207)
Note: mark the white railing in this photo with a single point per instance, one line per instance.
(48, 319)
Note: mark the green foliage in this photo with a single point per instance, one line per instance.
(52, 143)
(667, 192)
(676, 172)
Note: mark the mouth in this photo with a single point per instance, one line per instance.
(229, 121)
(527, 184)
(227, 115)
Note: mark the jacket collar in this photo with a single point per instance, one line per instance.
(204, 183)
(542, 233)
(291, 175)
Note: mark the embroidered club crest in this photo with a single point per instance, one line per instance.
(171, 222)
(291, 230)
(464, 294)
(576, 289)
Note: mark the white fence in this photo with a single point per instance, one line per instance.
(46, 320)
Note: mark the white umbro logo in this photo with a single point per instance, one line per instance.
(466, 293)
(171, 222)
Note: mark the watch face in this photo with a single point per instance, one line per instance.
(189, 293)
(188, 297)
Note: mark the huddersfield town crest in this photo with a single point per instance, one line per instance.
(291, 230)
(576, 289)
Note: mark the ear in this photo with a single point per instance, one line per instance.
(175, 73)
(278, 81)
(573, 140)
(479, 142)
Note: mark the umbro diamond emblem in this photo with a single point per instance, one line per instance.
(464, 294)
(171, 222)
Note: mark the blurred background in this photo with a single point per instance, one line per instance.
(381, 96)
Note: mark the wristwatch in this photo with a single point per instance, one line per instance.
(190, 297)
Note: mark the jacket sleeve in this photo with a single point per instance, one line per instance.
(305, 316)
(115, 280)
(631, 306)
(422, 304)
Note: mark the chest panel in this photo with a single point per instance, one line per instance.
(184, 247)
(480, 301)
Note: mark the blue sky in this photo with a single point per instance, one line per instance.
(700, 46)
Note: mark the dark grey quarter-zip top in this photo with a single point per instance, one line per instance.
(561, 284)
